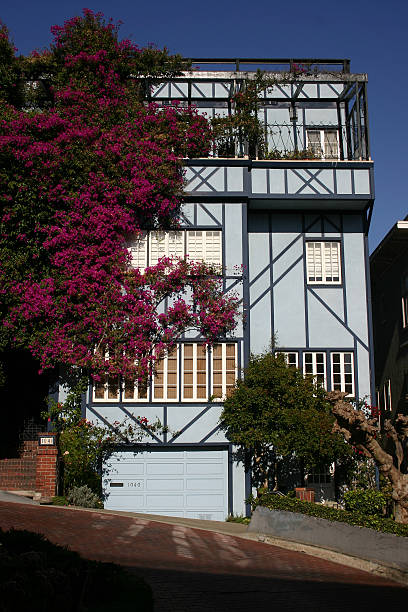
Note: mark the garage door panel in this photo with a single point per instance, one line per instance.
(165, 501)
(204, 454)
(204, 468)
(127, 469)
(127, 502)
(207, 484)
(164, 485)
(164, 468)
(204, 500)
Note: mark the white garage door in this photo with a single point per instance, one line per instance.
(187, 483)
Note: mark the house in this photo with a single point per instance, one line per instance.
(389, 282)
(290, 236)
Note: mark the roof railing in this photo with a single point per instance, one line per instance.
(299, 65)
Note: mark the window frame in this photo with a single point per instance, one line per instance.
(286, 355)
(324, 267)
(224, 372)
(148, 245)
(315, 372)
(165, 398)
(342, 373)
(322, 137)
(195, 385)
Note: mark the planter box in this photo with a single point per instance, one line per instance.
(383, 548)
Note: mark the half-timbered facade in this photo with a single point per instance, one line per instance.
(290, 236)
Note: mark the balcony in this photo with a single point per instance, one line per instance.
(315, 109)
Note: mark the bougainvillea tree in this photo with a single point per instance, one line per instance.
(86, 165)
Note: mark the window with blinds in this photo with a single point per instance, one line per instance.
(165, 379)
(194, 374)
(137, 248)
(324, 144)
(314, 364)
(224, 369)
(342, 372)
(323, 262)
(199, 245)
(165, 244)
(204, 245)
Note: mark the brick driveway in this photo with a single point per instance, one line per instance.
(194, 570)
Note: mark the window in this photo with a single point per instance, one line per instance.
(204, 246)
(181, 375)
(314, 364)
(199, 245)
(323, 143)
(138, 251)
(291, 359)
(224, 369)
(165, 244)
(323, 262)
(165, 378)
(135, 390)
(342, 372)
(106, 390)
(194, 371)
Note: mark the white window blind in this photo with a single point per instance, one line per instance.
(137, 248)
(323, 262)
(165, 244)
(204, 245)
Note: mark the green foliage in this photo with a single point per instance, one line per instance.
(83, 497)
(365, 501)
(59, 500)
(84, 446)
(238, 518)
(51, 577)
(282, 502)
(275, 406)
(295, 154)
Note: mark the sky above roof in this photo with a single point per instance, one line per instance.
(372, 34)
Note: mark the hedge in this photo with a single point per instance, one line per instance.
(290, 504)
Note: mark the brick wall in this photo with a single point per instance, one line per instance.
(35, 470)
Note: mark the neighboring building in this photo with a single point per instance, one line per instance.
(291, 236)
(389, 290)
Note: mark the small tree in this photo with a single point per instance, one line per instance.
(276, 413)
(387, 446)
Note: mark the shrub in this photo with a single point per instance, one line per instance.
(282, 502)
(365, 501)
(83, 497)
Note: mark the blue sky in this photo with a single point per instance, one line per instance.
(371, 33)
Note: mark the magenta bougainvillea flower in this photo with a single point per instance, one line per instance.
(87, 169)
